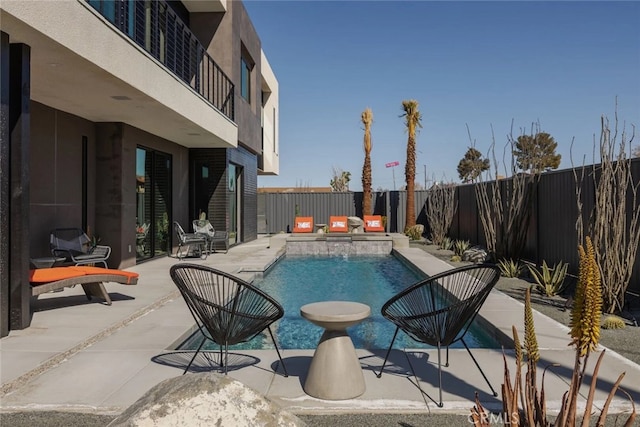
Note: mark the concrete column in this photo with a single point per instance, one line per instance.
(20, 128)
(5, 179)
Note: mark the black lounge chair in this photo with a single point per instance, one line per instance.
(439, 310)
(76, 247)
(227, 310)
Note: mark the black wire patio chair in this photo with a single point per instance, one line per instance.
(439, 310)
(188, 240)
(227, 310)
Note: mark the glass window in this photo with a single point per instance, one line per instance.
(245, 79)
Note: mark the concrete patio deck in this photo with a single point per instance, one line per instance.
(83, 356)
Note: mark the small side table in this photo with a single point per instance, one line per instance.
(335, 372)
(320, 228)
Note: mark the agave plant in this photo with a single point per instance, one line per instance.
(549, 281)
(446, 244)
(460, 246)
(510, 268)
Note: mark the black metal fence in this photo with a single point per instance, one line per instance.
(551, 236)
(156, 28)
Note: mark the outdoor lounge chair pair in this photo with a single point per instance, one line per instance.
(437, 311)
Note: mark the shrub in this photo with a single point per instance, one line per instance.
(415, 232)
(613, 322)
(510, 268)
(446, 244)
(549, 281)
(459, 246)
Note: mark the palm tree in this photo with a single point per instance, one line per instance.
(412, 116)
(367, 119)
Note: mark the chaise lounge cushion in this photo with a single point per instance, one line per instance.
(90, 278)
(47, 275)
(303, 224)
(373, 223)
(338, 224)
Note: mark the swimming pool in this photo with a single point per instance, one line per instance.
(370, 279)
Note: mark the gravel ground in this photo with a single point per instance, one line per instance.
(69, 419)
(623, 341)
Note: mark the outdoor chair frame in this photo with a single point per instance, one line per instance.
(227, 310)
(188, 240)
(75, 246)
(213, 236)
(439, 311)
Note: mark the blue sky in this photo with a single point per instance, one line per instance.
(478, 64)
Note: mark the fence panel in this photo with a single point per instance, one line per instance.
(552, 235)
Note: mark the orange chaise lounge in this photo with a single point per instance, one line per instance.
(91, 278)
(303, 224)
(373, 223)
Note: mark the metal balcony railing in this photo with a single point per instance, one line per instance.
(155, 27)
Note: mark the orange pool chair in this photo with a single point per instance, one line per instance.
(303, 224)
(373, 223)
(90, 278)
(338, 224)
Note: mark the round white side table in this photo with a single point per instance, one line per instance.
(335, 372)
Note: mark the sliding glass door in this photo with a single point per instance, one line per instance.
(234, 176)
(153, 203)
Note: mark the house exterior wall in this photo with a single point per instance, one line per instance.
(56, 181)
(270, 120)
(94, 97)
(224, 35)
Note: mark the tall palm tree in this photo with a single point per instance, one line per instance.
(367, 119)
(413, 118)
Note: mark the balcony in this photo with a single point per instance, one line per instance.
(82, 64)
(156, 28)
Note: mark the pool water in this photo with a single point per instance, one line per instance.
(372, 279)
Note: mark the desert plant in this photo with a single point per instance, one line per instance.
(505, 206)
(615, 234)
(415, 232)
(510, 268)
(440, 208)
(367, 119)
(340, 180)
(456, 258)
(460, 246)
(613, 322)
(585, 334)
(413, 122)
(446, 244)
(549, 281)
